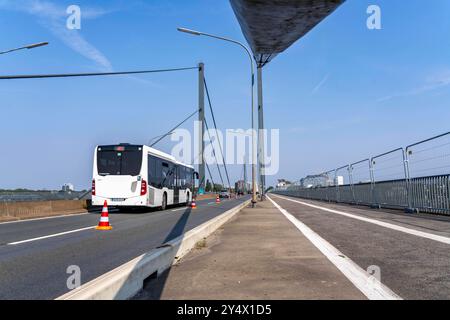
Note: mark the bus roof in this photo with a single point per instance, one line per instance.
(149, 150)
(166, 156)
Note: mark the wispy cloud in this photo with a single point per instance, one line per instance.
(320, 84)
(434, 82)
(53, 17)
(146, 82)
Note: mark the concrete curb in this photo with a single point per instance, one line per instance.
(126, 281)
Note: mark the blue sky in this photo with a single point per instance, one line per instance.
(340, 94)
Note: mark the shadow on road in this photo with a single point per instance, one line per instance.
(154, 267)
(153, 288)
(154, 285)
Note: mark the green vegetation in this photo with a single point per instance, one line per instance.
(200, 244)
(210, 188)
(21, 190)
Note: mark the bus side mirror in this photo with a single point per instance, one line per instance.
(196, 175)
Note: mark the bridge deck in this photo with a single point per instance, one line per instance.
(36, 269)
(258, 255)
(325, 251)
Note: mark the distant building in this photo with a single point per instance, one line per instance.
(339, 181)
(68, 187)
(242, 187)
(314, 181)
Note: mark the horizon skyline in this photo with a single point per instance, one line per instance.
(339, 94)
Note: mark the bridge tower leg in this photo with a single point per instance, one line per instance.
(201, 123)
(261, 158)
(245, 178)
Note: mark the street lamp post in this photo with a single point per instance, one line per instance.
(31, 46)
(198, 33)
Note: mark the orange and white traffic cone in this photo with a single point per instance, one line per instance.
(217, 200)
(193, 204)
(104, 219)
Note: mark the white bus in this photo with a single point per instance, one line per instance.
(139, 176)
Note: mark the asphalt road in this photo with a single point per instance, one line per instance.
(34, 255)
(414, 264)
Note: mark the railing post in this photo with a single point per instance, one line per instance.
(350, 175)
(372, 182)
(336, 182)
(447, 208)
(407, 180)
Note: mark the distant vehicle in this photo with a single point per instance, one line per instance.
(139, 176)
(224, 194)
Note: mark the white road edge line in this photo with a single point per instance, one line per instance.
(414, 232)
(49, 236)
(371, 288)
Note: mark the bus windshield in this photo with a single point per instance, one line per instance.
(122, 163)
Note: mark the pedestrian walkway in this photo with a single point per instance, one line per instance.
(257, 255)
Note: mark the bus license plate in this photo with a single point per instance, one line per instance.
(118, 199)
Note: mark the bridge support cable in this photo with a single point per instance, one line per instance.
(91, 74)
(214, 152)
(174, 128)
(215, 126)
(211, 177)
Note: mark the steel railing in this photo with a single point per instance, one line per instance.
(395, 179)
(427, 194)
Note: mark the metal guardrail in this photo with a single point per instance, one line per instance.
(427, 194)
(394, 179)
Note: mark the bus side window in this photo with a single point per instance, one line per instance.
(190, 178)
(165, 175)
(159, 173)
(176, 176)
(183, 177)
(152, 176)
(180, 176)
(173, 176)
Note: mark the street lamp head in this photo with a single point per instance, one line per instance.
(35, 45)
(31, 46)
(195, 33)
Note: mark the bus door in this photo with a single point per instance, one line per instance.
(176, 184)
(194, 179)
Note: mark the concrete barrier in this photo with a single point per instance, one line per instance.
(125, 281)
(39, 209)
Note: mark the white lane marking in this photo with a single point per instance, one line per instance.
(414, 232)
(359, 277)
(46, 218)
(179, 209)
(49, 236)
